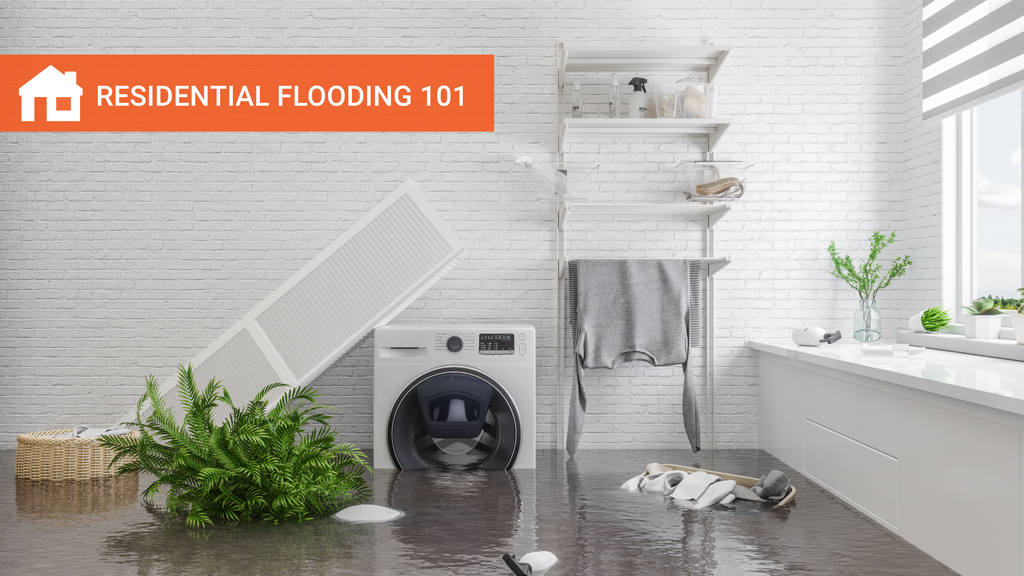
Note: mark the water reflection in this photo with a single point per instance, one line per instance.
(74, 502)
(461, 523)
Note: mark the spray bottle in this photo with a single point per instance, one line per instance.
(613, 99)
(577, 103)
(638, 100)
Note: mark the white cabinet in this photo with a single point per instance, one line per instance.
(944, 474)
(960, 489)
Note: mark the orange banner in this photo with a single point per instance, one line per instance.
(255, 93)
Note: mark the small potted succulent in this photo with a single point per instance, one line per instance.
(1018, 319)
(930, 320)
(983, 319)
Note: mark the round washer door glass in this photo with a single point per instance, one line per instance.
(412, 447)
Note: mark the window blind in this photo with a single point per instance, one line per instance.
(973, 51)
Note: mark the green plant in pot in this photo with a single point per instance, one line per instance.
(1018, 319)
(868, 279)
(983, 319)
(931, 320)
(267, 462)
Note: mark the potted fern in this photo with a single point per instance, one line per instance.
(930, 320)
(867, 279)
(983, 319)
(262, 464)
(1018, 319)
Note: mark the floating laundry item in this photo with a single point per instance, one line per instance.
(744, 493)
(773, 486)
(666, 482)
(633, 484)
(728, 498)
(531, 563)
(648, 479)
(368, 513)
(694, 485)
(715, 493)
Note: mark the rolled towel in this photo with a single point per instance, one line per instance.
(744, 493)
(655, 468)
(773, 486)
(715, 493)
(720, 185)
(694, 485)
(633, 484)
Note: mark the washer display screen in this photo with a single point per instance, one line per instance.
(497, 344)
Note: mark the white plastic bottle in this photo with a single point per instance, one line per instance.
(577, 103)
(638, 99)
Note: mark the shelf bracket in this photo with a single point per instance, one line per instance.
(715, 267)
(563, 211)
(714, 217)
(713, 70)
(563, 59)
(715, 137)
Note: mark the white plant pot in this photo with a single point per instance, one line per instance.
(915, 323)
(1018, 327)
(983, 327)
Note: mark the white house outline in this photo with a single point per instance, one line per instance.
(51, 84)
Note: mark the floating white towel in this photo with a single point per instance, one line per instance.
(694, 485)
(715, 493)
(728, 498)
(666, 482)
(646, 481)
(633, 484)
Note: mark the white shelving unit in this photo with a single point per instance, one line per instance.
(711, 129)
(706, 61)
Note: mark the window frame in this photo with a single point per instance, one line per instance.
(960, 206)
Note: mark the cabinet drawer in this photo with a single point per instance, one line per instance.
(866, 415)
(864, 476)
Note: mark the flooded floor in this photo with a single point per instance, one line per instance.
(461, 523)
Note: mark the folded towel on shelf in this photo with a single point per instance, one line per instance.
(633, 310)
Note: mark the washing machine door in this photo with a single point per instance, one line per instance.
(478, 418)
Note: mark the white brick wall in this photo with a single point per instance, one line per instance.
(125, 254)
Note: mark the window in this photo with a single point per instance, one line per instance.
(984, 219)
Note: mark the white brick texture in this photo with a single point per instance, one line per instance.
(124, 254)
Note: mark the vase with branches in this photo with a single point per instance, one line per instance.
(868, 278)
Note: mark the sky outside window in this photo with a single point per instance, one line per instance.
(997, 184)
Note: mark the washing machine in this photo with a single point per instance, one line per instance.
(457, 396)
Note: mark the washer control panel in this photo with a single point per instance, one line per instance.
(481, 343)
(497, 344)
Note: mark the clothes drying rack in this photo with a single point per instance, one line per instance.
(701, 61)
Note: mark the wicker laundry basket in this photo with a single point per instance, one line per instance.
(60, 499)
(745, 481)
(61, 458)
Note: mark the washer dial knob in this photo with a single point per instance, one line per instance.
(454, 344)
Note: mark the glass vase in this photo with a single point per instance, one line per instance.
(867, 322)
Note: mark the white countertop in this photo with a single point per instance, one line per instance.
(991, 382)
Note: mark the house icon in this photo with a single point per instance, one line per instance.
(63, 96)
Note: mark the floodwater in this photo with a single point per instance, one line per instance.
(460, 523)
